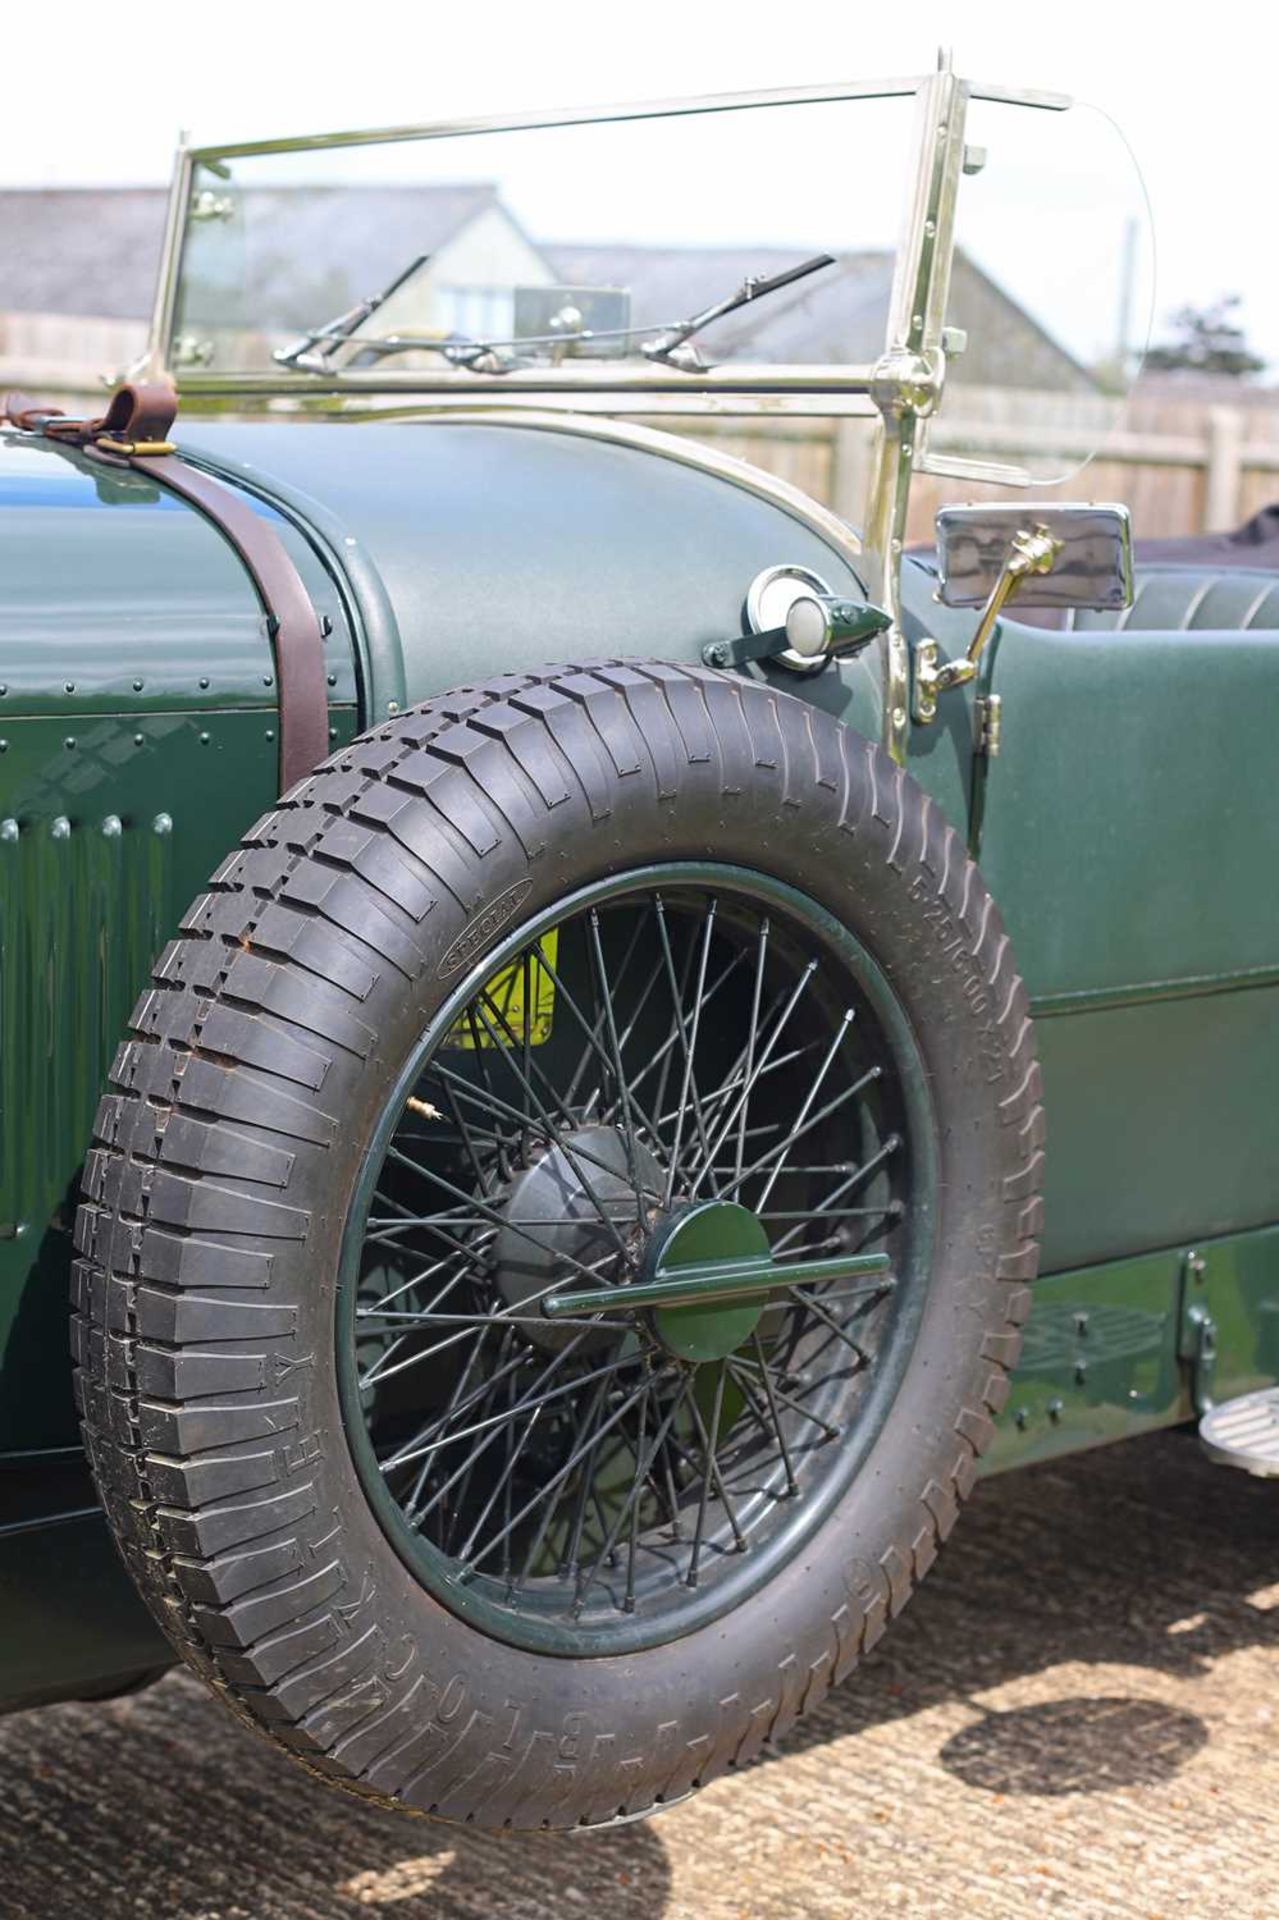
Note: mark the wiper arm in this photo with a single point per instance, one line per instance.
(671, 340)
(312, 353)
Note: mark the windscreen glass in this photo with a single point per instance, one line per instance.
(588, 244)
(1052, 284)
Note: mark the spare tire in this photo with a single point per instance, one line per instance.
(629, 975)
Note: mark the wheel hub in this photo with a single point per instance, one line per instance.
(575, 1205)
(718, 1230)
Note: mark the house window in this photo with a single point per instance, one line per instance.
(481, 313)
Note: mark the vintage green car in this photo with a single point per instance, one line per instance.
(550, 1244)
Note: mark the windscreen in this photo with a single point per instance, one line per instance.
(584, 244)
(1052, 284)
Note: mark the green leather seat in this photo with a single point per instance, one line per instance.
(1177, 599)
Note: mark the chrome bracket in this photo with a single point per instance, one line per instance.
(207, 205)
(1032, 550)
(933, 676)
(819, 627)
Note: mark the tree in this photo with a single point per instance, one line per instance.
(1206, 340)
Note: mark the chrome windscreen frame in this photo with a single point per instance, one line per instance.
(902, 388)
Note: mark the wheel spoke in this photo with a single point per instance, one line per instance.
(803, 1126)
(816, 1308)
(792, 1001)
(752, 1034)
(643, 1466)
(619, 1413)
(463, 1380)
(711, 1471)
(665, 1054)
(773, 1414)
(526, 1405)
(619, 1070)
(802, 1118)
(593, 1048)
(593, 1032)
(689, 1086)
(854, 1179)
(785, 1399)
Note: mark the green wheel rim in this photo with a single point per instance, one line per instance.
(683, 1039)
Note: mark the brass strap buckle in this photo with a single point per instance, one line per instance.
(134, 448)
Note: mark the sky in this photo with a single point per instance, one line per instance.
(107, 90)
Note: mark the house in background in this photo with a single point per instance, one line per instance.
(78, 268)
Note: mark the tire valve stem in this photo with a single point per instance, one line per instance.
(423, 1107)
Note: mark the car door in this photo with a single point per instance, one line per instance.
(1129, 830)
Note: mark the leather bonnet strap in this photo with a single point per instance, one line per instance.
(133, 432)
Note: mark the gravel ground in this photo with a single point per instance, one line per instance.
(1078, 1716)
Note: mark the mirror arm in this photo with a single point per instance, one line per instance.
(1033, 550)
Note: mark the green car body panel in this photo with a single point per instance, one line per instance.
(1127, 830)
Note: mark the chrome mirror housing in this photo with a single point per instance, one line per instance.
(1090, 567)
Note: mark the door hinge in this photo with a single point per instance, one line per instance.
(988, 723)
(1197, 1332)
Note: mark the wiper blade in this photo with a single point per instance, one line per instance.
(669, 342)
(312, 353)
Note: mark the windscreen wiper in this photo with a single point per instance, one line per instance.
(313, 352)
(670, 342)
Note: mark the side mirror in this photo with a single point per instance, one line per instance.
(1091, 565)
(1047, 556)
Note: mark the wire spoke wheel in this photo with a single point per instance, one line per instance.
(693, 1086)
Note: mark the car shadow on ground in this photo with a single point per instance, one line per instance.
(1143, 1556)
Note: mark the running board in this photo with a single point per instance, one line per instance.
(1244, 1432)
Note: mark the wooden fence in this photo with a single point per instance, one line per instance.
(1183, 462)
(1185, 459)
